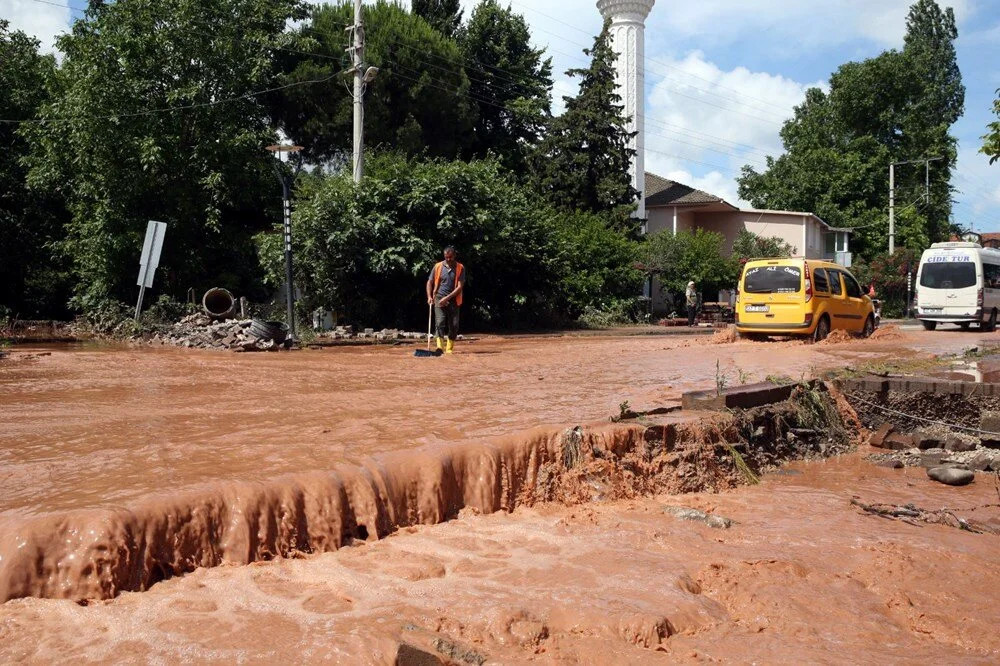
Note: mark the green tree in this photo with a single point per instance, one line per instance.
(509, 81)
(748, 245)
(31, 277)
(897, 106)
(678, 258)
(583, 162)
(418, 103)
(445, 16)
(365, 251)
(991, 140)
(156, 124)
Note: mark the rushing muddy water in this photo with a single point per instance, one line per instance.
(100, 428)
(802, 577)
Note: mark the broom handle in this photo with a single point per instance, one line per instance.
(430, 315)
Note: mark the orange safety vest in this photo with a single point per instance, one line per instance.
(458, 279)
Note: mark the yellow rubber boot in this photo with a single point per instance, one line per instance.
(450, 349)
(440, 343)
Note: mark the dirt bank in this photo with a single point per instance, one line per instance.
(800, 577)
(98, 553)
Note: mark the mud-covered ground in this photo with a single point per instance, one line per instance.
(801, 577)
(91, 427)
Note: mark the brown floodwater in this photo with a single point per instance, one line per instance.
(86, 427)
(121, 467)
(801, 577)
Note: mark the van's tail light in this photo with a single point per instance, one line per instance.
(809, 284)
(979, 298)
(809, 319)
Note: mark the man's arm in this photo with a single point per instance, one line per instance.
(430, 288)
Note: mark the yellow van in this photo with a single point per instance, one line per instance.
(801, 297)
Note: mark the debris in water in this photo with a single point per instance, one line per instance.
(914, 515)
(725, 336)
(889, 332)
(685, 513)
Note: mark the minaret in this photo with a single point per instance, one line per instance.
(628, 28)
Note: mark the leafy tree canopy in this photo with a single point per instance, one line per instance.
(510, 82)
(445, 16)
(141, 131)
(748, 245)
(583, 161)
(894, 107)
(31, 282)
(417, 104)
(991, 141)
(678, 258)
(366, 250)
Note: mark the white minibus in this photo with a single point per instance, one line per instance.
(958, 283)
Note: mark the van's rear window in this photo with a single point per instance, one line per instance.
(951, 275)
(772, 280)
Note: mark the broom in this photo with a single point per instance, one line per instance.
(421, 353)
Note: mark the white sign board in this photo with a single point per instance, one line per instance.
(155, 231)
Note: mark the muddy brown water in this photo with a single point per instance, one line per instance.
(123, 439)
(801, 577)
(86, 427)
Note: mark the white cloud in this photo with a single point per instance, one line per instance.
(793, 23)
(700, 117)
(42, 21)
(977, 201)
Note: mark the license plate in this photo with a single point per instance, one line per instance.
(757, 308)
(933, 310)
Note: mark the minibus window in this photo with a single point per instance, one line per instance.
(772, 280)
(948, 275)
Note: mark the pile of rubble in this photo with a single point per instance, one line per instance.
(199, 331)
(935, 448)
(385, 335)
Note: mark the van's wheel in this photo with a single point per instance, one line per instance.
(869, 328)
(965, 325)
(929, 325)
(822, 329)
(991, 325)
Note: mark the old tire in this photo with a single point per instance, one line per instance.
(869, 328)
(269, 330)
(822, 329)
(929, 325)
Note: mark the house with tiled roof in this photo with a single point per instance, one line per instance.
(673, 206)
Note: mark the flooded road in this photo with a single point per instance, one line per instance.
(801, 577)
(88, 428)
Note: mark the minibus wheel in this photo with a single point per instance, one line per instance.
(929, 325)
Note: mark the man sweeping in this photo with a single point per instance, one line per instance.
(444, 290)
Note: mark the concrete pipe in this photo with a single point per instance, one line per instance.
(219, 303)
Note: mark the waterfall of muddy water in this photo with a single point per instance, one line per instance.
(122, 467)
(801, 577)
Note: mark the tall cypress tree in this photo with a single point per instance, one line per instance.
(444, 15)
(583, 162)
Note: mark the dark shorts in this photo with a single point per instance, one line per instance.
(446, 320)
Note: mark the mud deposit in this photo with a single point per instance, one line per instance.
(801, 577)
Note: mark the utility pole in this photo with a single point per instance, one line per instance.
(892, 193)
(892, 208)
(359, 103)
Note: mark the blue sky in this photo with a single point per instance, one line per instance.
(722, 75)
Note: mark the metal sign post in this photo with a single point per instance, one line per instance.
(150, 259)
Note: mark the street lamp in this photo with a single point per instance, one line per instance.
(283, 152)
